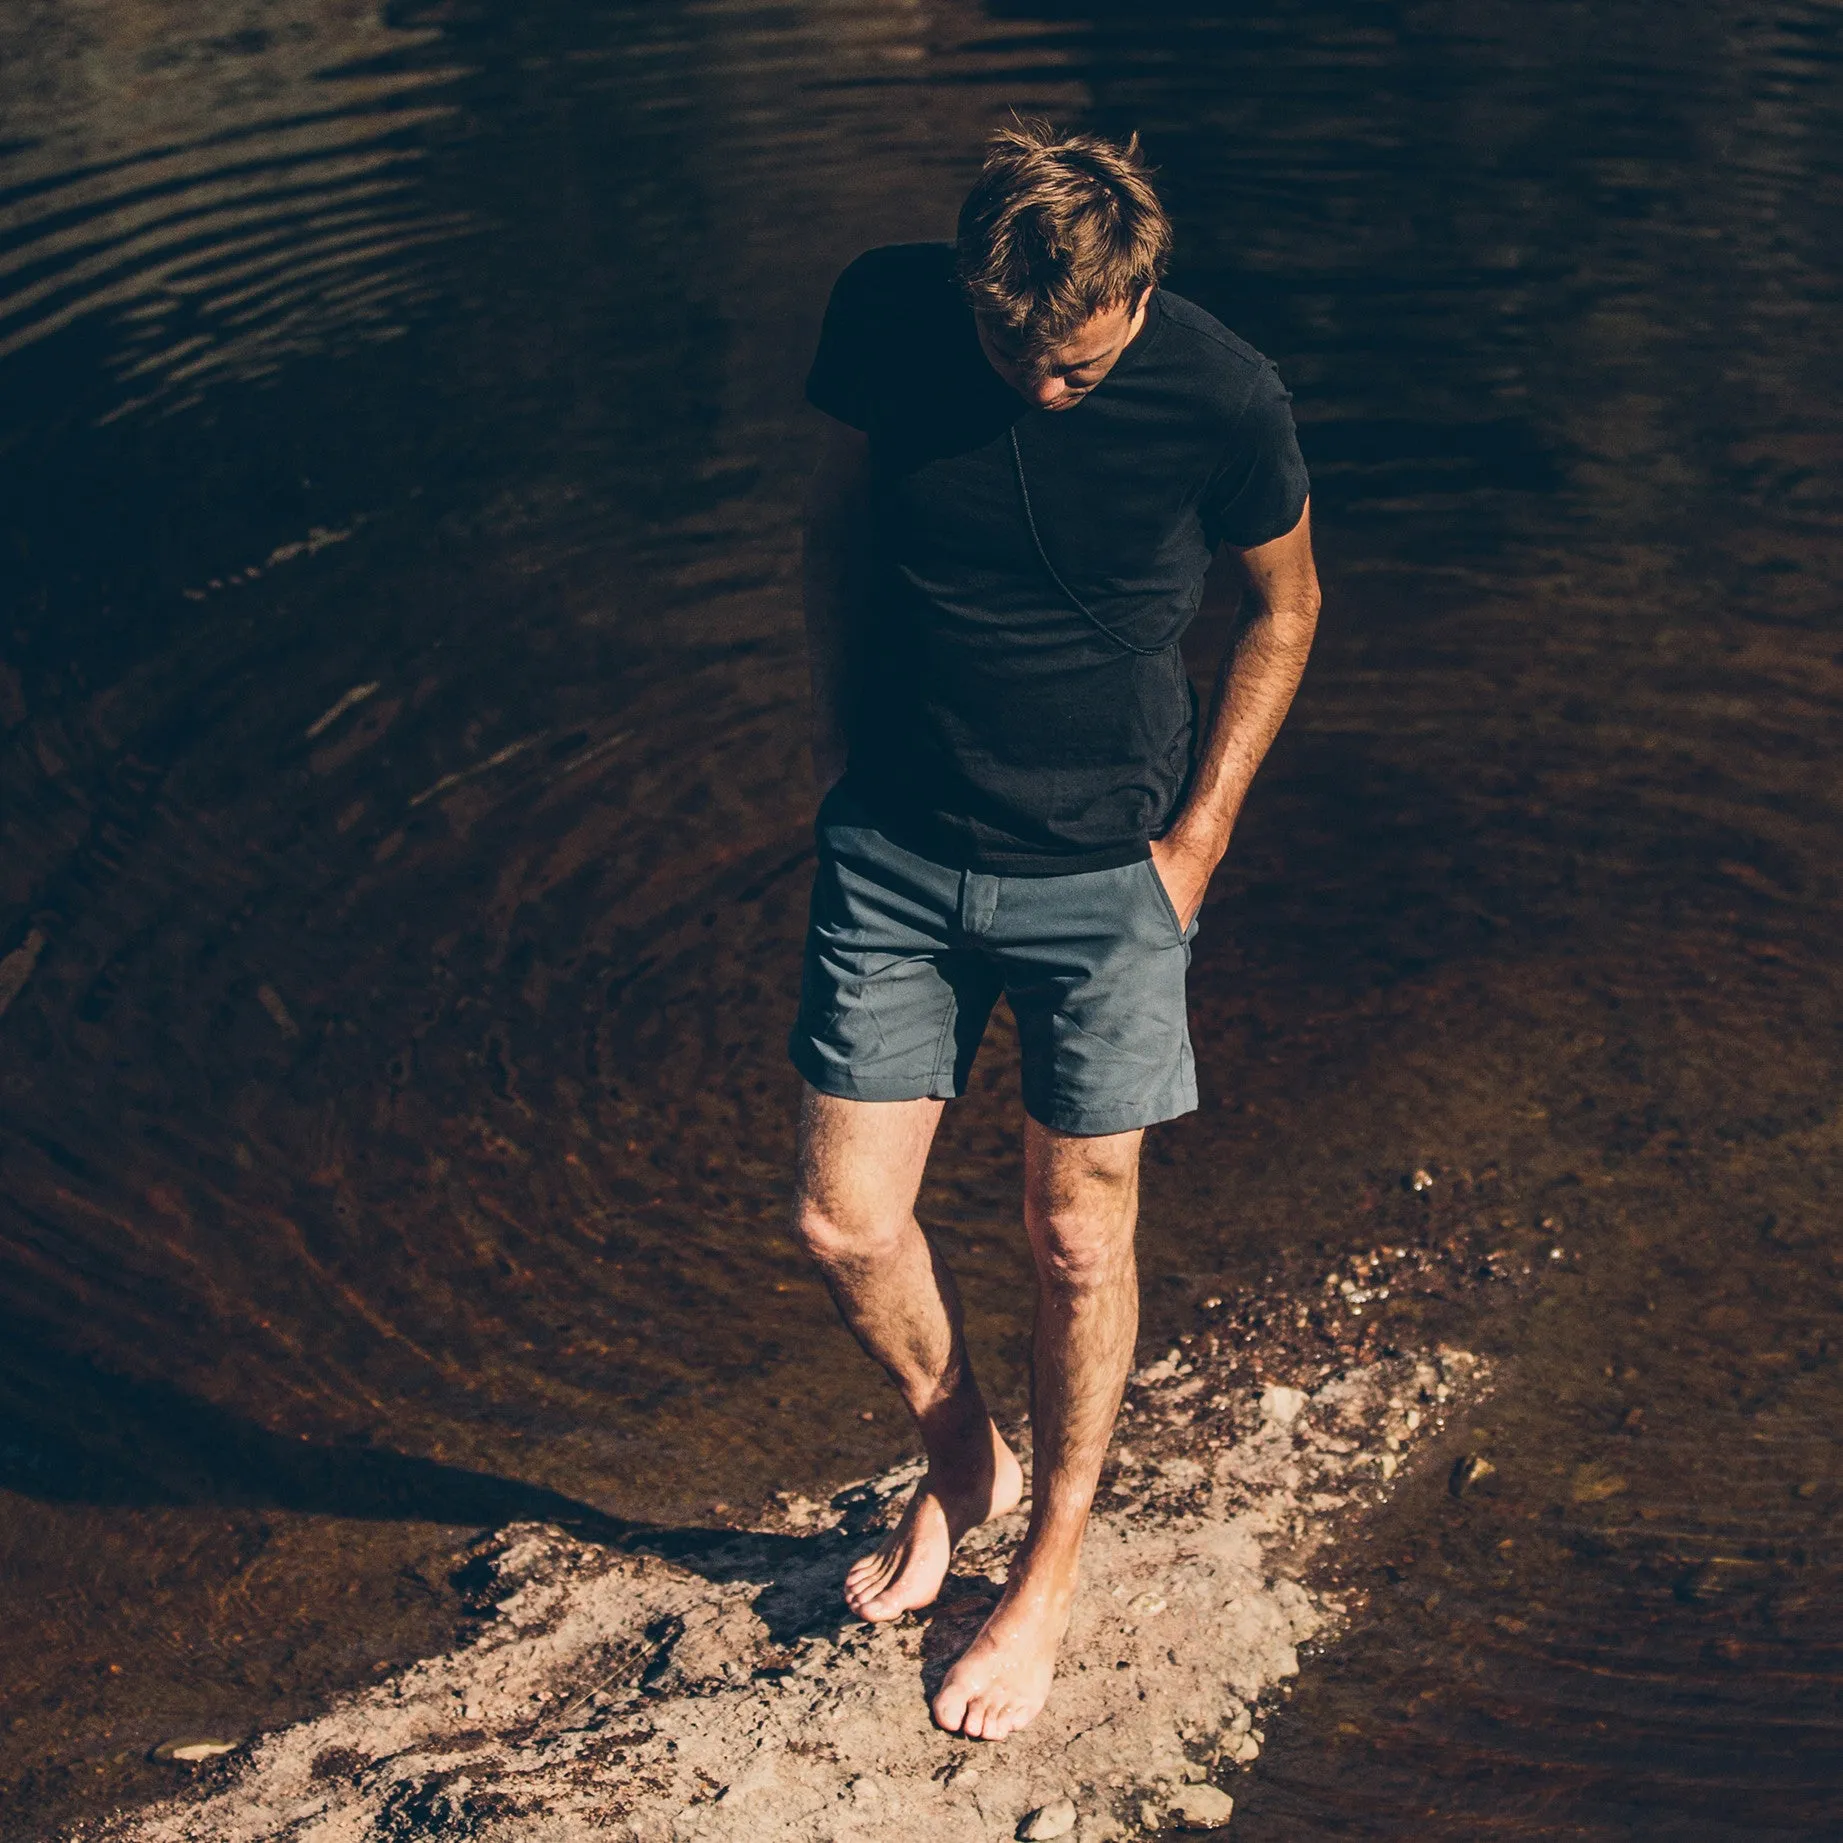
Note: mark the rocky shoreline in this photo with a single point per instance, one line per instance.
(709, 1684)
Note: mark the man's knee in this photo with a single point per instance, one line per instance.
(1081, 1206)
(1083, 1256)
(859, 1167)
(1083, 1238)
(836, 1236)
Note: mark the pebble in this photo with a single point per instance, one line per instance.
(1468, 1470)
(1180, 1472)
(1201, 1807)
(192, 1749)
(1592, 1483)
(1282, 1406)
(17, 967)
(279, 1014)
(1055, 1819)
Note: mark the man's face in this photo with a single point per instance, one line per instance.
(1061, 377)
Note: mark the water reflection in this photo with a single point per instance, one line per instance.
(226, 196)
(401, 779)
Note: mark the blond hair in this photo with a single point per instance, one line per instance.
(1058, 228)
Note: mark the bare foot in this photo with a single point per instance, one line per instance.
(906, 1569)
(1002, 1678)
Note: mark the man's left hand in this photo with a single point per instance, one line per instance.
(1185, 871)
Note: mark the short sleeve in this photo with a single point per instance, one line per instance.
(1260, 490)
(839, 382)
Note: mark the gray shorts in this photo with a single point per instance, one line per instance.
(905, 959)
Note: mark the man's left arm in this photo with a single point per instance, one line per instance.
(1254, 689)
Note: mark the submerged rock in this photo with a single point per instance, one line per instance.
(1469, 1469)
(191, 1750)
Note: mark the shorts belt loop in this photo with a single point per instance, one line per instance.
(978, 903)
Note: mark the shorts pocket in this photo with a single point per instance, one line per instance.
(1166, 904)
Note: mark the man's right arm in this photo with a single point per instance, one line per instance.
(836, 558)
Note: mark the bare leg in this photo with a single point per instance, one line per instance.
(1081, 1204)
(860, 1166)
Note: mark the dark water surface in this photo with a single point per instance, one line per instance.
(403, 834)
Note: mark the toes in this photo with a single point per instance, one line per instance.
(893, 1600)
(988, 1714)
(869, 1576)
(949, 1709)
(1023, 1714)
(879, 1596)
(859, 1594)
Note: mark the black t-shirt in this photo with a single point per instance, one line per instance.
(989, 721)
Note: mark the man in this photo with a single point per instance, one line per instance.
(1034, 453)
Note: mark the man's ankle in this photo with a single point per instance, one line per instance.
(953, 1425)
(1052, 1558)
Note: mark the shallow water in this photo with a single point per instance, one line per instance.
(403, 835)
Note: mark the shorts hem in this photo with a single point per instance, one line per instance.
(842, 1085)
(1096, 1122)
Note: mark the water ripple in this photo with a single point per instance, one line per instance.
(215, 255)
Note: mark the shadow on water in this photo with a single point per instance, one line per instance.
(76, 1434)
(79, 1435)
